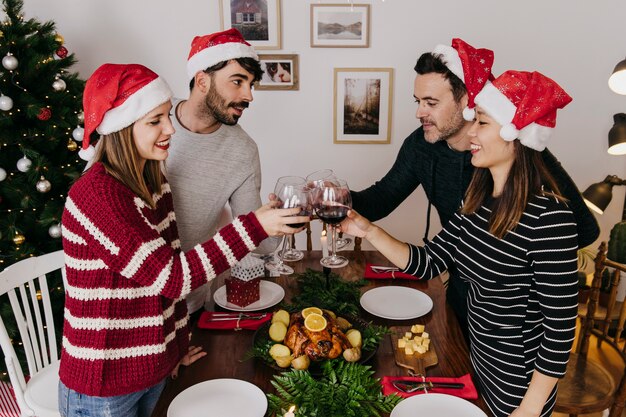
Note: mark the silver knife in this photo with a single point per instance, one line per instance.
(412, 386)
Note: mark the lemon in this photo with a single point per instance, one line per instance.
(315, 322)
(310, 310)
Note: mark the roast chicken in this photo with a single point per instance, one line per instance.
(325, 344)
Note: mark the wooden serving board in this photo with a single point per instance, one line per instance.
(418, 362)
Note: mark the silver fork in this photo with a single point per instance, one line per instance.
(383, 269)
(231, 316)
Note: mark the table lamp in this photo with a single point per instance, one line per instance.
(598, 196)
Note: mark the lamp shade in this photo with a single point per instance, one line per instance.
(598, 196)
(617, 80)
(617, 135)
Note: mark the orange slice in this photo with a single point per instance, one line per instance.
(310, 310)
(315, 322)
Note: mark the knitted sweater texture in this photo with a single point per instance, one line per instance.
(126, 321)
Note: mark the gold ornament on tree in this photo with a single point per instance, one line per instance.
(59, 39)
(19, 238)
(71, 145)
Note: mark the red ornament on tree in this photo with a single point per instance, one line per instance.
(44, 114)
(61, 52)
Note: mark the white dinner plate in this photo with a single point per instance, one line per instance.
(436, 405)
(396, 303)
(270, 294)
(219, 397)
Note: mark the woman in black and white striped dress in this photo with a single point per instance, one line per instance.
(514, 240)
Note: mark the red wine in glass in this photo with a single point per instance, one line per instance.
(332, 214)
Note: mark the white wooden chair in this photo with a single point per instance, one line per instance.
(33, 315)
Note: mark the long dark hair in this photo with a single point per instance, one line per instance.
(528, 176)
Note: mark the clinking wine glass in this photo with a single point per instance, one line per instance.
(291, 192)
(332, 201)
(318, 178)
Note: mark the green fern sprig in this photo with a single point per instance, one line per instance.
(335, 294)
(345, 389)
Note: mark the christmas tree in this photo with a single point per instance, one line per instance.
(40, 124)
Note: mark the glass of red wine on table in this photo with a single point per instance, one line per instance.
(291, 192)
(331, 202)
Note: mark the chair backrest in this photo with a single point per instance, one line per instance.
(26, 285)
(606, 323)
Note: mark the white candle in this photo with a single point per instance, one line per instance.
(290, 413)
(324, 242)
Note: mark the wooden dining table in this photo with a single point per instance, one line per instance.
(227, 348)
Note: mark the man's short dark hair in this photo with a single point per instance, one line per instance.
(430, 63)
(249, 64)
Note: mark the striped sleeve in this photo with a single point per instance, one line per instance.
(553, 258)
(123, 236)
(435, 257)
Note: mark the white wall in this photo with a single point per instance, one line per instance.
(576, 43)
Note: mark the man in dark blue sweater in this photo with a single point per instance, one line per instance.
(436, 155)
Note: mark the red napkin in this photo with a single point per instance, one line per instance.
(468, 392)
(369, 274)
(205, 322)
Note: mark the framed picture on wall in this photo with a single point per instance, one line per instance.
(280, 72)
(257, 20)
(340, 25)
(362, 105)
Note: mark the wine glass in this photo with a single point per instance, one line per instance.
(290, 254)
(317, 178)
(291, 192)
(331, 202)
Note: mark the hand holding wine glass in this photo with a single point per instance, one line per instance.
(291, 192)
(331, 201)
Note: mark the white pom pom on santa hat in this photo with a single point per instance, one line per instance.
(469, 114)
(88, 153)
(509, 132)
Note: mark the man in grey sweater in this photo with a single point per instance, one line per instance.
(212, 160)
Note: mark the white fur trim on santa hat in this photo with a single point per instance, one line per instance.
(452, 60)
(535, 136)
(496, 104)
(87, 154)
(216, 54)
(148, 97)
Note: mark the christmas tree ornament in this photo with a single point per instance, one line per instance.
(59, 85)
(55, 231)
(71, 145)
(44, 114)
(43, 185)
(87, 154)
(19, 238)
(23, 164)
(3, 174)
(78, 134)
(6, 103)
(61, 52)
(59, 39)
(81, 117)
(9, 62)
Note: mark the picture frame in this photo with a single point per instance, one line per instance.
(340, 25)
(362, 105)
(259, 21)
(280, 72)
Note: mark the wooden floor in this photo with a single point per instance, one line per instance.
(611, 361)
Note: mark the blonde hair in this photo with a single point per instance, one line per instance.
(120, 157)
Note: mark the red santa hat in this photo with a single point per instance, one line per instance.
(117, 95)
(525, 104)
(471, 65)
(212, 49)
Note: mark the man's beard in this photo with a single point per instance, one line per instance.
(215, 106)
(449, 127)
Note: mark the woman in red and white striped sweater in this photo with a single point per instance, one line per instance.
(126, 321)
